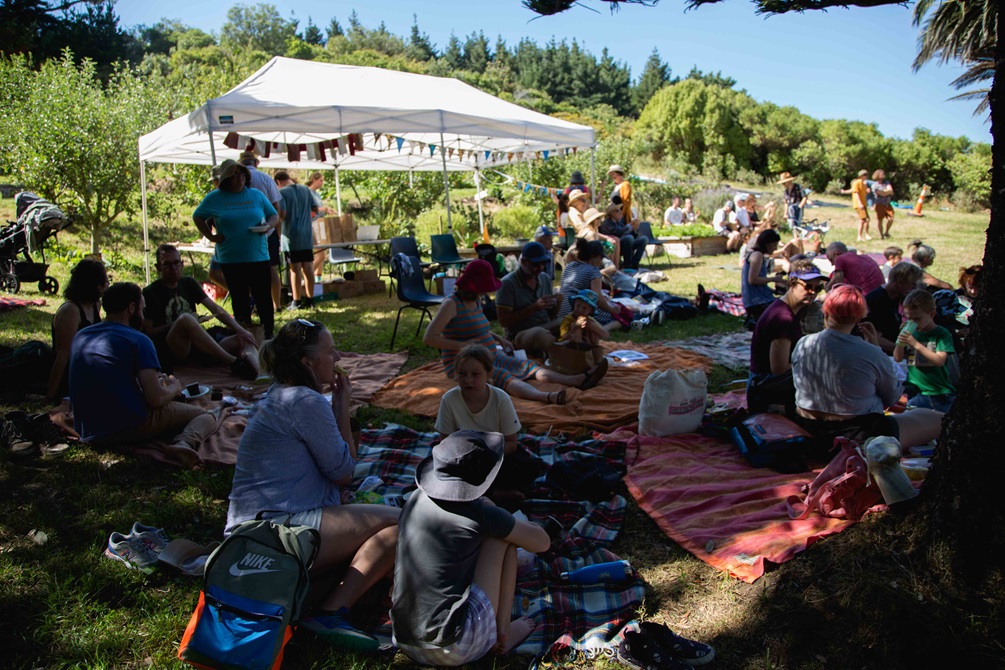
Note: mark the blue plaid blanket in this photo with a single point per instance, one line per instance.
(569, 615)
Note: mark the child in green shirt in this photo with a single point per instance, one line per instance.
(927, 348)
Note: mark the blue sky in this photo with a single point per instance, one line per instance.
(843, 63)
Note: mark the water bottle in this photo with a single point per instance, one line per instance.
(614, 571)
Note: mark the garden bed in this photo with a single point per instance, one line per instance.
(686, 247)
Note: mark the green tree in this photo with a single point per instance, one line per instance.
(259, 27)
(73, 140)
(655, 75)
(476, 53)
(453, 56)
(971, 171)
(313, 35)
(963, 31)
(698, 121)
(420, 47)
(334, 29)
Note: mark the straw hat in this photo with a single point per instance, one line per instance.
(616, 168)
(591, 215)
(863, 173)
(575, 194)
(785, 178)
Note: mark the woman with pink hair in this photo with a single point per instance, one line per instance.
(844, 381)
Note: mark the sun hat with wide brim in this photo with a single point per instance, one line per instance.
(785, 178)
(478, 277)
(616, 168)
(462, 467)
(229, 168)
(247, 157)
(576, 194)
(591, 215)
(863, 173)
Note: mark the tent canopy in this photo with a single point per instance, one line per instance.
(402, 121)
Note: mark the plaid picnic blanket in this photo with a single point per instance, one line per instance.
(575, 615)
(726, 302)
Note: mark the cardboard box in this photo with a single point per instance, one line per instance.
(374, 286)
(331, 287)
(351, 289)
(348, 228)
(327, 230)
(366, 275)
(445, 285)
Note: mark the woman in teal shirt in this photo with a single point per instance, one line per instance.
(239, 219)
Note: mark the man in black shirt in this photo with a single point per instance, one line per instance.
(170, 320)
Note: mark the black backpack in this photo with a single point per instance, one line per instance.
(25, 369)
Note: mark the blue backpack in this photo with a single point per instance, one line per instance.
(253, 591)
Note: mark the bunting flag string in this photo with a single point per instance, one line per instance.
(353, 143)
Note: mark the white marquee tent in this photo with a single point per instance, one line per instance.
(311, 115)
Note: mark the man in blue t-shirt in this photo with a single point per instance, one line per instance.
(298, 237)
(117, 392)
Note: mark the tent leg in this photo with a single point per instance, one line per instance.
(146, 225)
(593, 175)
(446, 183)
(481, 216)
(338, 193)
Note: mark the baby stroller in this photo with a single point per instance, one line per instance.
(37, 221)
(805, 229)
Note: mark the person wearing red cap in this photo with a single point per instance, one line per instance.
(460, 322)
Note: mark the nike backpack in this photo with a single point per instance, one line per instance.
(254, 588)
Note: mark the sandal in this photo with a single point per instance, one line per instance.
(560, 398)
(594, 376)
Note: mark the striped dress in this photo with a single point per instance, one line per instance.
(470, 325)
(577, 276)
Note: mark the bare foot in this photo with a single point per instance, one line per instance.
(519, 629)
(185, 455)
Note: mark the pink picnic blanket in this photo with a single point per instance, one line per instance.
(703, 494)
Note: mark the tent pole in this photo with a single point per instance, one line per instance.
(593, 175)
(338, 193)
(146, 226)
(410, 183)
(481, 216)
(209, 129)
(446, 183)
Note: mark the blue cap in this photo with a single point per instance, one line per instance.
(535, 252)
(543, 231)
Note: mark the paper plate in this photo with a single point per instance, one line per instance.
(203, 390)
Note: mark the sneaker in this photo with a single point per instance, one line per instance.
(153, 538)
(243, 369)
(594, 376)
(293, 306)
(335, 628)
(131, 552)
(641, 652)
(656, 318)
(639, 324)
(307, 303)
(690, 652)
(14, 433)
(50, 439)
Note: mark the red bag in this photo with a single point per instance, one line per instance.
(843, 490)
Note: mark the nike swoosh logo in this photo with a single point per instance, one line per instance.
(244, 572)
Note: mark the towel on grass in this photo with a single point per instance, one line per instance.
(561, 610)
(367, 372)
(703, 494)
(612, 403)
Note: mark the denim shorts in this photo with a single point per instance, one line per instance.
(940, 403)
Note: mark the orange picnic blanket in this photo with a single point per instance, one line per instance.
(613, 403)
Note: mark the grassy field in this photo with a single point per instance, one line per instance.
(852, 601)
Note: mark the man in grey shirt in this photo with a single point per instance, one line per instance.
(528, 309)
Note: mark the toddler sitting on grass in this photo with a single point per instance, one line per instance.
(927, 348)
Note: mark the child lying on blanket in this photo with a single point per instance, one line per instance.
(455, 572)
(475, 404)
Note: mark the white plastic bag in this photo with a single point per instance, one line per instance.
(672, 402)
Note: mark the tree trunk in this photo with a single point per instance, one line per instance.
(962, 512)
